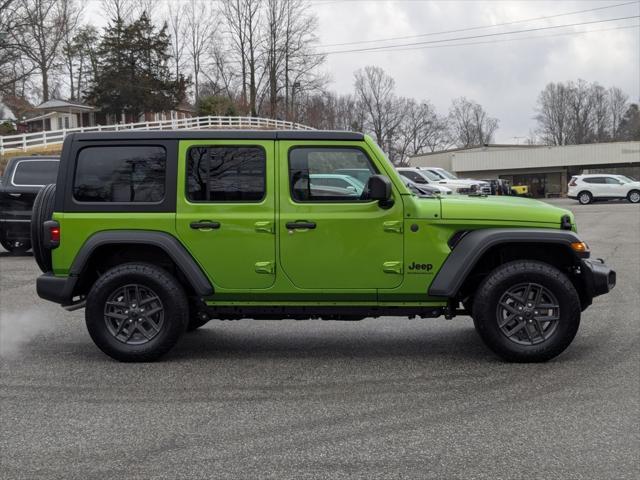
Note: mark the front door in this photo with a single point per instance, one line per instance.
(226, 210)
(333, 237)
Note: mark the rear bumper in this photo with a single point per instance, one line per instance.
(56, 289)
(599, 279)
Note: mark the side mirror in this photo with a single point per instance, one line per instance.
(379, 188)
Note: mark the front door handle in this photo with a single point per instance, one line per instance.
(205, 225)
(300, 225)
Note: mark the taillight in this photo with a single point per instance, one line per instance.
(572, 183)
(51, 234)
(54, 234)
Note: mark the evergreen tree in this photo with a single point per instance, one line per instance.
(134, 75)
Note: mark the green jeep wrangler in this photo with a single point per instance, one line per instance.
(156, 233)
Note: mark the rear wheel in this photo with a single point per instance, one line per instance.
(527, 311)
(136, 312)
(42, 211)
(585, 198)
(634, 196)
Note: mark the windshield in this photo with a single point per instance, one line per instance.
(446, 174)
(430, 175)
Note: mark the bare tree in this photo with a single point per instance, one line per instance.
(175, 24)
(70, 51)
(243, 24)
(300, 61)
(618, 104)
(580, 112)
(119, 9)
(199, 35)
(470, 124)
(375, 92)
(553, 114)
(600, 113)
(40, 39)
(14, 67)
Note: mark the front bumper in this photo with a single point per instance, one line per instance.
(599, 279)
(56, 289)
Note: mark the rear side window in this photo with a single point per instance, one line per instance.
(35, 173)
(132, 174)
(226, 174)
(594, 180)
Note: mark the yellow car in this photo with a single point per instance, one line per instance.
(522, 190)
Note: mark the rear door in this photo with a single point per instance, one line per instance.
(226, 210)
(597, 186)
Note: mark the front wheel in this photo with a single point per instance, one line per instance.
(136, 312)
(527, 311)
(634, 196)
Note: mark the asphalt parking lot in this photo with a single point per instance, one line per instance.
(385, 398)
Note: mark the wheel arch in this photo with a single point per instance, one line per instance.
(477, 252)
(106, 249)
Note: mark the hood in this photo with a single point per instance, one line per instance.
(502, 208)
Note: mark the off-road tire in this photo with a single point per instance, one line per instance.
(498, 282)
(163, 285)
(42, 211)
(585, 198)
(634, 196)
(14, 248)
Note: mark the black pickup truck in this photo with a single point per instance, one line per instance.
(23, 178)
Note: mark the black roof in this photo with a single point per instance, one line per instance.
(219, 135)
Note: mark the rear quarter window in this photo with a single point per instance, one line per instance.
(120, 174)
(35, 173)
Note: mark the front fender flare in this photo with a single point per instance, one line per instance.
(473, 245)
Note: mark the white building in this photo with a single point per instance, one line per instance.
(546, 170)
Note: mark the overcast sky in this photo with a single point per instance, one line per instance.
(504, 76)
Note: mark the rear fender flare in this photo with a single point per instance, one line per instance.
(168, 243)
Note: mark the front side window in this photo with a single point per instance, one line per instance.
(329, 174)
(226, 174)
(129, 174)
(35, 173)
(613, 181)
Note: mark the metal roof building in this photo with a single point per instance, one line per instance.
(545, 169)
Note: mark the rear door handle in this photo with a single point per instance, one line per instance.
(300, 225)
(205, 224)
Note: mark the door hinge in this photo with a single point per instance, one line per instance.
(266, 227)
(392, 267)
(394, 226)
(265, 267)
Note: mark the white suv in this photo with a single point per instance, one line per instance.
(461, 185)
(587, 188)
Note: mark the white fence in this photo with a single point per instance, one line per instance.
(42, 139)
